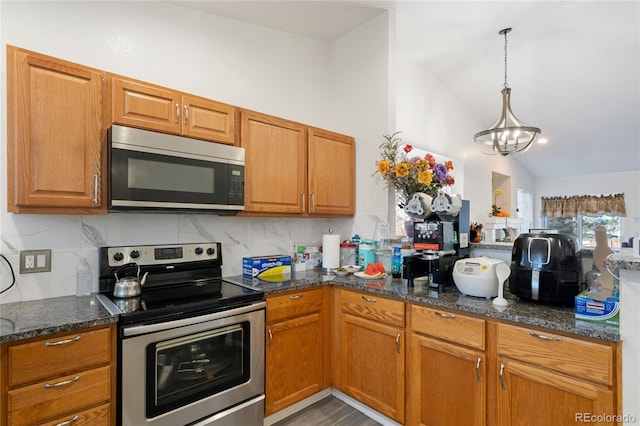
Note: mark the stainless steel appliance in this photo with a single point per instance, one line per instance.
(546, 267)
(440, 240)
(191, 345)
(160, 172)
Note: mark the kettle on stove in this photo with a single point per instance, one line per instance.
(128, 286)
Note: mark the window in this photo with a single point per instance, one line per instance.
(584, 228)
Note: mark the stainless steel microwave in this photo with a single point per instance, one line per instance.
(153, 171)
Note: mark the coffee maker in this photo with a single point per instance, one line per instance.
(441, 239)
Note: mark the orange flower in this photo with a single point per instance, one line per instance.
(449, 165)
(402, 169)
(383, 167)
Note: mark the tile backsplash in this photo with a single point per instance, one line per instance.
(72, 238)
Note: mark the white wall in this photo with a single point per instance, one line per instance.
(234, 62)
(596, 184)
(431, 118)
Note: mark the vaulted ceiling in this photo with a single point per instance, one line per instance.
(573, 66)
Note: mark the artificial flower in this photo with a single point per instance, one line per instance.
(410, 175)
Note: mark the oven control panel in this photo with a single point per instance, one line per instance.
(163, 254)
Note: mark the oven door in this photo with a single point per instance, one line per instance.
(187, 370)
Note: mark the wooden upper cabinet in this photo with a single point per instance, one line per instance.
(291, 168)
(275, 164)
(55, 135)
(153, 107)
(332, 175)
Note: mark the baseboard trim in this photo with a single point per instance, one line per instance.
(367, 411)
(294, 408)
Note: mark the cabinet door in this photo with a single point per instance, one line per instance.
(55, 135)
(294, 361)
(372, 364)
(447, 384)
(533, 396)
(209, 120)
(146, 106)
(275, 164)
(331, 173)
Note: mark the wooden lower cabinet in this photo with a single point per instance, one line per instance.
(60, 379)
(369, 351)
(529, 395)
(297, 347)
(548, 378)
(446, 385)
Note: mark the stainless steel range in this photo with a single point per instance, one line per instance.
(191, 345)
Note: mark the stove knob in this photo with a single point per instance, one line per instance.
(211, 251)
(134, 254)
(118, 257)
(198, 250)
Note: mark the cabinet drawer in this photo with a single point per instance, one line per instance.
(294, 304)
(449, 326)
(97, 416)
(67, 394)
(373, 307)
(58, 355)
(576, 357)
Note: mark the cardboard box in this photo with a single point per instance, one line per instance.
(605, 312)
(266, 266)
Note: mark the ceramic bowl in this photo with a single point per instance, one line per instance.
(351, 268)
(341, 272)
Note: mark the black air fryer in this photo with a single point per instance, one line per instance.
(546, 268)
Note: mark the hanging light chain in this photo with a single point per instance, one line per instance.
(505, 32)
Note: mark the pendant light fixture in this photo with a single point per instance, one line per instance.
(508, 135)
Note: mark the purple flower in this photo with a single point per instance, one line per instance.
(440, 171)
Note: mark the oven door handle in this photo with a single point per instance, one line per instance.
(137, 330)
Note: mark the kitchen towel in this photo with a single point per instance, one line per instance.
(330, 251)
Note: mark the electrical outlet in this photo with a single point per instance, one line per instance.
(35, 261)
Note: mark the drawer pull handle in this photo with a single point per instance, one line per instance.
(296, 296)
(63, 383)
(270, 338)
(478, 361)
(543, 337)
(443, 315)
(368, 299)
(68, 422)
(502, 385)
(63, 342)
(398, 343)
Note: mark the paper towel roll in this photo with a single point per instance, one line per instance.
(331, 251)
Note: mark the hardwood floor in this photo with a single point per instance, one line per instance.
(329, 411)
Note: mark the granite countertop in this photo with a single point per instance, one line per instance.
(554, 318)
(23, 320)
(623, 260)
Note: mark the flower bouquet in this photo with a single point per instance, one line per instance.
(410, 175)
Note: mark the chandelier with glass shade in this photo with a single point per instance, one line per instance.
(508, 135)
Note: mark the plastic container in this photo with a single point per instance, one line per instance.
(356, 241)
(367, 255)
(83, 278)
(347, 253)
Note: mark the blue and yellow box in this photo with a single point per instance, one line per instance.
(266, 266)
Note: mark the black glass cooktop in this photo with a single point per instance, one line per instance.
(179, 301)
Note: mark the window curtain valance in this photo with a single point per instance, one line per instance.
(586, 205)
